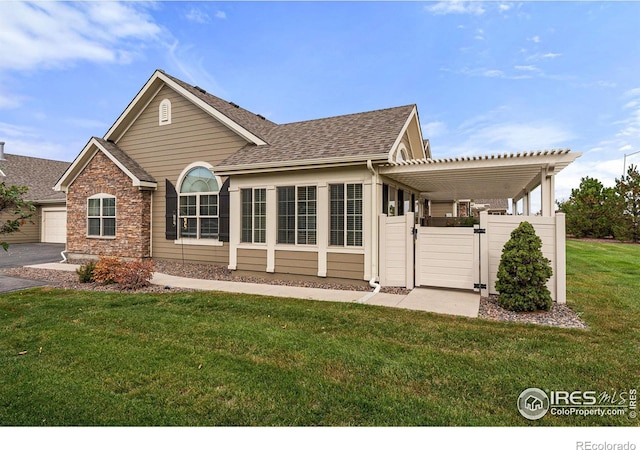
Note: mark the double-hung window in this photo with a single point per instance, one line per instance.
(199, 205)
(254, 215)
(345, 215)
(101, 216)
(297, 215)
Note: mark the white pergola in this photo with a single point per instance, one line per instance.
(510, 175)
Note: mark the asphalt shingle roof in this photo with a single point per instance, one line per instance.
(362, 134)
(126, 160)
(37, 174)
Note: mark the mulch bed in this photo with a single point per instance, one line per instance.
(559, 315)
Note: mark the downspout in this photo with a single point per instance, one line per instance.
(374, 235)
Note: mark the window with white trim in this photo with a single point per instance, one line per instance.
(198, 205)
(164, 112)
(297, 215)
(101, 215)
(345, 215)
(254, 215)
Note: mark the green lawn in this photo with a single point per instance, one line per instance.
(222, 359)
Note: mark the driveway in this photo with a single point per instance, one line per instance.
(20, 255)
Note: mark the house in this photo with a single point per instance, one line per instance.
(48, 224)
(533, 403)
(185, 175)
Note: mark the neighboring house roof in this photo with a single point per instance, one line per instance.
(493, 203)
(354, 136)
(37, 174)
(139, 177)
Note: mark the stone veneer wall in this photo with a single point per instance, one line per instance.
(133, 212)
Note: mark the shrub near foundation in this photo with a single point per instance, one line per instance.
(523, 272)
(106, 270)
(128, 275)
(135, 274)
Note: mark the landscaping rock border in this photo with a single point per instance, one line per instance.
(559, 316)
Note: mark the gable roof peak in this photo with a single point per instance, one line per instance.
(254, 123)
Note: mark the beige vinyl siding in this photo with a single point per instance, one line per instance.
(29, 232)
(254, 260)
(441, 209)
(164, 152)
(345, 265)
(294, 262)
(218, 255)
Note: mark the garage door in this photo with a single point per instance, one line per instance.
(54, 225)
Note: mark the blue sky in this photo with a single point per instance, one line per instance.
(488, 77)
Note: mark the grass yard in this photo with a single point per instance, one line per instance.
(221, 359)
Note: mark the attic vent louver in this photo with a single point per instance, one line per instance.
(234, 105)
(201, 90)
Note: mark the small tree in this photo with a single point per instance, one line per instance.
(590, 211)
(17, 210)
(628, 200)
(523, 272)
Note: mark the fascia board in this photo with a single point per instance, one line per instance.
(299, 165)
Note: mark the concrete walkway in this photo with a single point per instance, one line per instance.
(441, 301)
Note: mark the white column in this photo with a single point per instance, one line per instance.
(561, 259)
(547, 194)
(322, 206)
(368, 216)
(272, 228)
(526, 204)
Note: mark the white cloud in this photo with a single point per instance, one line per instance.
(9, 100)
(535, 39)
(456, 7)
(434, 129)
(515, 137)
(28, 141)
(632, 92)
(221, 15)
(605, 171)
(504, 7)
(527, 68)
(539, 56)
(197, 16)
(52, 34)
(191, 66)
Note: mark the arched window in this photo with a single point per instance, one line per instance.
(164, 112)
(198, 194)
(101, 215)
(400, 154)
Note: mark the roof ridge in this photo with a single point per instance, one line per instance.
(337, 116)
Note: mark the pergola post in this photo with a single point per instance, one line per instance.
(547, 192)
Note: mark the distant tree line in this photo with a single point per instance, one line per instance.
(605, 212)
